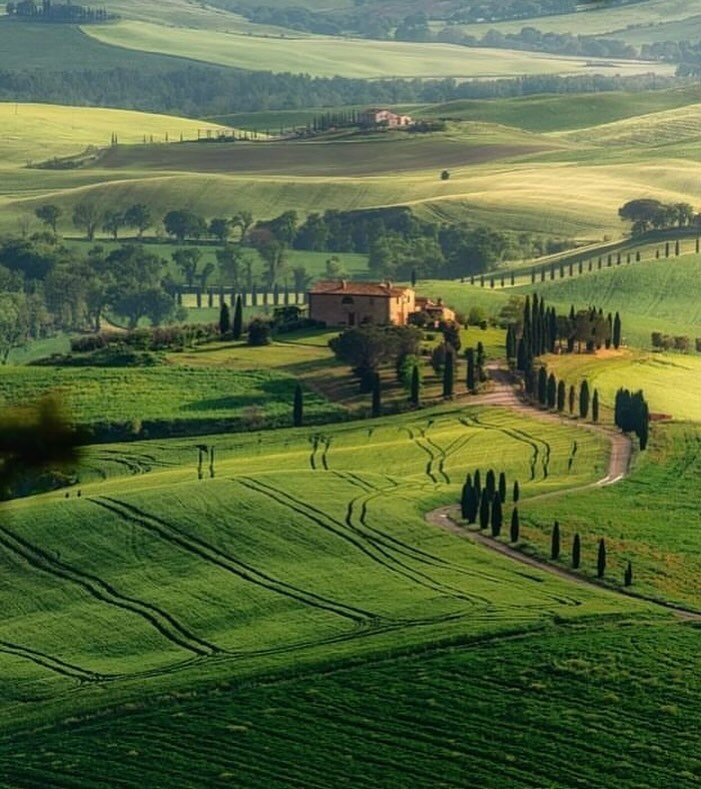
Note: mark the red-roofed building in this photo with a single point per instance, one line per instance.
(343, 303)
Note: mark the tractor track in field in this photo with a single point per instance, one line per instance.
(96, 587)
(374, 547)
(209, 553)
(618, 469)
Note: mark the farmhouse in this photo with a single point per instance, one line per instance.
(343, 303)
(382, 117)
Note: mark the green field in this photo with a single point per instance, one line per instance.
(164, 395)
(322, 56)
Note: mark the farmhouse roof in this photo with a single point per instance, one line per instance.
(345, 288)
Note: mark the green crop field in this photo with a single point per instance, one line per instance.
(162, 394)
(327, 56)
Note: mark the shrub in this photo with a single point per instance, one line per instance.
(260, 332)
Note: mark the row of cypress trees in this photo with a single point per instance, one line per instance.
(551, 393)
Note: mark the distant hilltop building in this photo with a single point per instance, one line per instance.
(375, 116)
(343, 303)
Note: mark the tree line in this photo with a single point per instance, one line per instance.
(646, 214)
(162, 85)
(47, 11)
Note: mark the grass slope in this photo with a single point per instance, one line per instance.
(321, 56)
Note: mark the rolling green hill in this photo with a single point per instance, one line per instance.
(322, 56)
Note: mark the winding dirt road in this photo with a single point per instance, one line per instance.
(504, 395)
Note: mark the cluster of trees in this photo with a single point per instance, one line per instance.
(46, 286)
(197, 91)
(47, 11)
(541, 330)
(485, 504)
(649, 214)
(667, 342)
(632, 415)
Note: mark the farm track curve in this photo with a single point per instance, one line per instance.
(505, 396)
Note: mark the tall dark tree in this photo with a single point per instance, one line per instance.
(298, 407)
(502, 486)
(497, 515)
(628, 576)
(415, 396)
(595, 406)
(572, 397)
(515, 525)
(555, 541)
(490, 482)
(478, 482)
(485, 502)
(224, 319)
(617, 331)
(377, 395)
(516, 495)
(584, 400)
(561, 395)
(552, 391)
(471, 381)
(449, 373)
(576, 552)
(601, 559)
(237, 325)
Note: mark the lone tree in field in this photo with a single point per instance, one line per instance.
(377, 395)
(49, 214)
(601, 559)
(516, 495)
(595, 406)
(502, 486)
(515, 525)
(628, 575)
(224, 319)
(298, 407)
(576, 552)
(449, 374)
(584, 400)
(237, 325)
(497, 515)
(555, 542)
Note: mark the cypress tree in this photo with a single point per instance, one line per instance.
(515, 525)
(490, 482)
(576, 552)
(555, 542)
(516, 495)
(237, 325)
(478, 482)
(376, 395)
(415, 397)
(572, 399)
(561, 395)
(484, 510)
(628, 577)
(542, 386)
(502, 486)
(470, 380)
(449, 373)
(497, 515)
(224, 319)
(552, 391)
(298, 408)
(595, 406)
(413, 278)
(472, 506)
(584, 400)
(601, 559)
(465, 500)
(617, 331)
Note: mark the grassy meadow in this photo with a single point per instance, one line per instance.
(347, 57)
